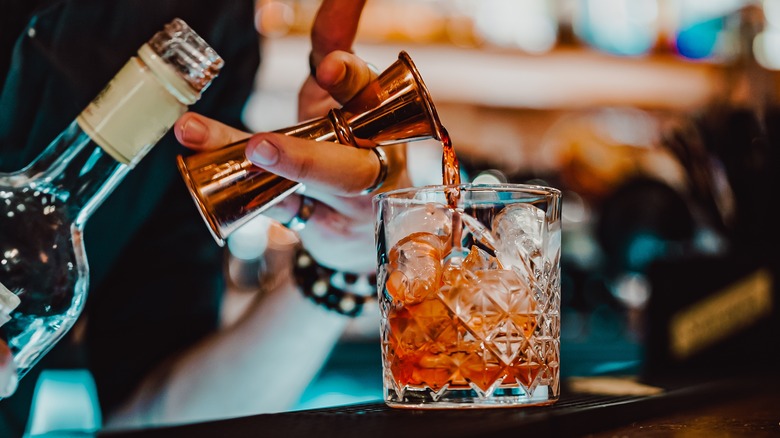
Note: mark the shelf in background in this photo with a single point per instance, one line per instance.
(499, 104)
(564, 78)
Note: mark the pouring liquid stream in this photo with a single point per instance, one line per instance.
(450, 170)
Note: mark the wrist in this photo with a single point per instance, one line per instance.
(342, 292)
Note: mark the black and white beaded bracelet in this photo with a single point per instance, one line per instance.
(342, 292)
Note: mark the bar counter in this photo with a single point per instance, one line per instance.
(735, 408)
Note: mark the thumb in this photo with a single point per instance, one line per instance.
(343, 75)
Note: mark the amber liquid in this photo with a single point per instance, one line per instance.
(450, 169)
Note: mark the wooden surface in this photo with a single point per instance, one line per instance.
(752, 416)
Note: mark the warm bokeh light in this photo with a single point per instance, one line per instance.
(621, 27)
(530, 25)
(273, 18)
(766, 48)
(772, 12)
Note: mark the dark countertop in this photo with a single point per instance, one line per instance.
(743, 407)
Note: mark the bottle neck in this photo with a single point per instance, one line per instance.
(78, 171)
(84, 164)
(136, 108)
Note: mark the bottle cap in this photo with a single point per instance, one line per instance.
(187, 53)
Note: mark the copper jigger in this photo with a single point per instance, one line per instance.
(229, 190)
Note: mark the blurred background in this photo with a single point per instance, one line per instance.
(654, 117)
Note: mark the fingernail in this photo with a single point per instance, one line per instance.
(194, 131)
(262, 153)
(341, 73)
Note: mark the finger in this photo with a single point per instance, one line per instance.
(324, 220)
(335, 27)
(327, 223)
(351, 206)
(313, 101)
(284, 210)
(340, 77)
(340, 169)
(202, 133)
(343, 75)
(397, 171)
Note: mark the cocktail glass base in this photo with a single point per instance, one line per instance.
(510, 397)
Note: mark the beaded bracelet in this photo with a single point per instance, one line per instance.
(329, 287)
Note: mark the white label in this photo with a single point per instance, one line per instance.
(8, 302)
(131, 114)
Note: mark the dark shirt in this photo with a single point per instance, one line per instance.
(155, 271)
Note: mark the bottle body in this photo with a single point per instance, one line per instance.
(44, 272)
(42, 259)
(51, 300)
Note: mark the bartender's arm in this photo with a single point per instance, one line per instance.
(265, 360)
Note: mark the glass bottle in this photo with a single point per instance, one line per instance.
(44, 206)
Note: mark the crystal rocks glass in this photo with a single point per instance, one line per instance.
(469, 292)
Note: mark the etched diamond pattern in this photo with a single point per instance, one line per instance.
(484, 329)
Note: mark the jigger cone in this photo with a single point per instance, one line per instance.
(229, 190)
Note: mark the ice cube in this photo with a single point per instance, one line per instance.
(520, 219)
(429, 218)
(415, 267)
(461, 266)
(518, 231)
